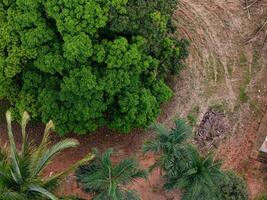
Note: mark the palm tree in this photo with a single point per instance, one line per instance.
(200, 179)
(170, 144)
(107, 180)
(20, 169)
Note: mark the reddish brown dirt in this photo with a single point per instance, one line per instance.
(123, 145)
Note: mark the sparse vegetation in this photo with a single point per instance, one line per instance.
(193, 115)
(243, 96)
(232, 187)
(262, 196)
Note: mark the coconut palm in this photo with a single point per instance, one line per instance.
(21, 169)
(107, 180)
(170, 145)
(200, 179)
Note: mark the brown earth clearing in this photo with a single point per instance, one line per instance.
(226, 72)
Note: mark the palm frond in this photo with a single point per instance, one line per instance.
(20, 171)
(24, 122)
(171, 144)
(42, 191)
(43, 146)
(51, 152)
(181, 131)
(13, 148)
(108, 180)
(128, 171)
(8, 195)
(202, 175)
(131, 195)
(60, 175)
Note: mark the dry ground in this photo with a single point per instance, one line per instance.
(225, 71)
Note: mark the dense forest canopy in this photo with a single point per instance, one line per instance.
(88, 63)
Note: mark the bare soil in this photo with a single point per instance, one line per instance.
(227, 70)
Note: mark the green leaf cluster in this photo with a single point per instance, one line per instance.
(108, 180)
(185, 167)
(88, 63)
(232, 187)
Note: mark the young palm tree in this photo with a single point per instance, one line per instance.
(108, 180)
(200, 179)
(20, 169)
(170, 144)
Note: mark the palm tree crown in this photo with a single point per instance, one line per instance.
(200, 178)
(170, 144)
(20, 169)
(108, 180)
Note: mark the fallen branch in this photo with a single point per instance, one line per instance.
(249, 17)
(248, 6)
(265, 39)
(260, 29)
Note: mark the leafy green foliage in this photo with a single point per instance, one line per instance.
(170, 144)
(262, 196)
(88, 63)
(184, 167)
(71, 198)
(232, 187)
(199, 178)
(108, 180)
(192, 116)
(20, 170)
(151, 19)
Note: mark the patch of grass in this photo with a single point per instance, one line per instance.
(222, 107)
(230, 70)
(256, 63)
(218, 107)
(261, 196)
(243, 96)
(243, 61)
(193, 115)
(214, 69)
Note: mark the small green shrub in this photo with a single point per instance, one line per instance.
(262, 196)
(232, 187)
(243, 96)
(193, 115)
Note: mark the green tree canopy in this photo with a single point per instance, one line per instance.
(88, 63)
